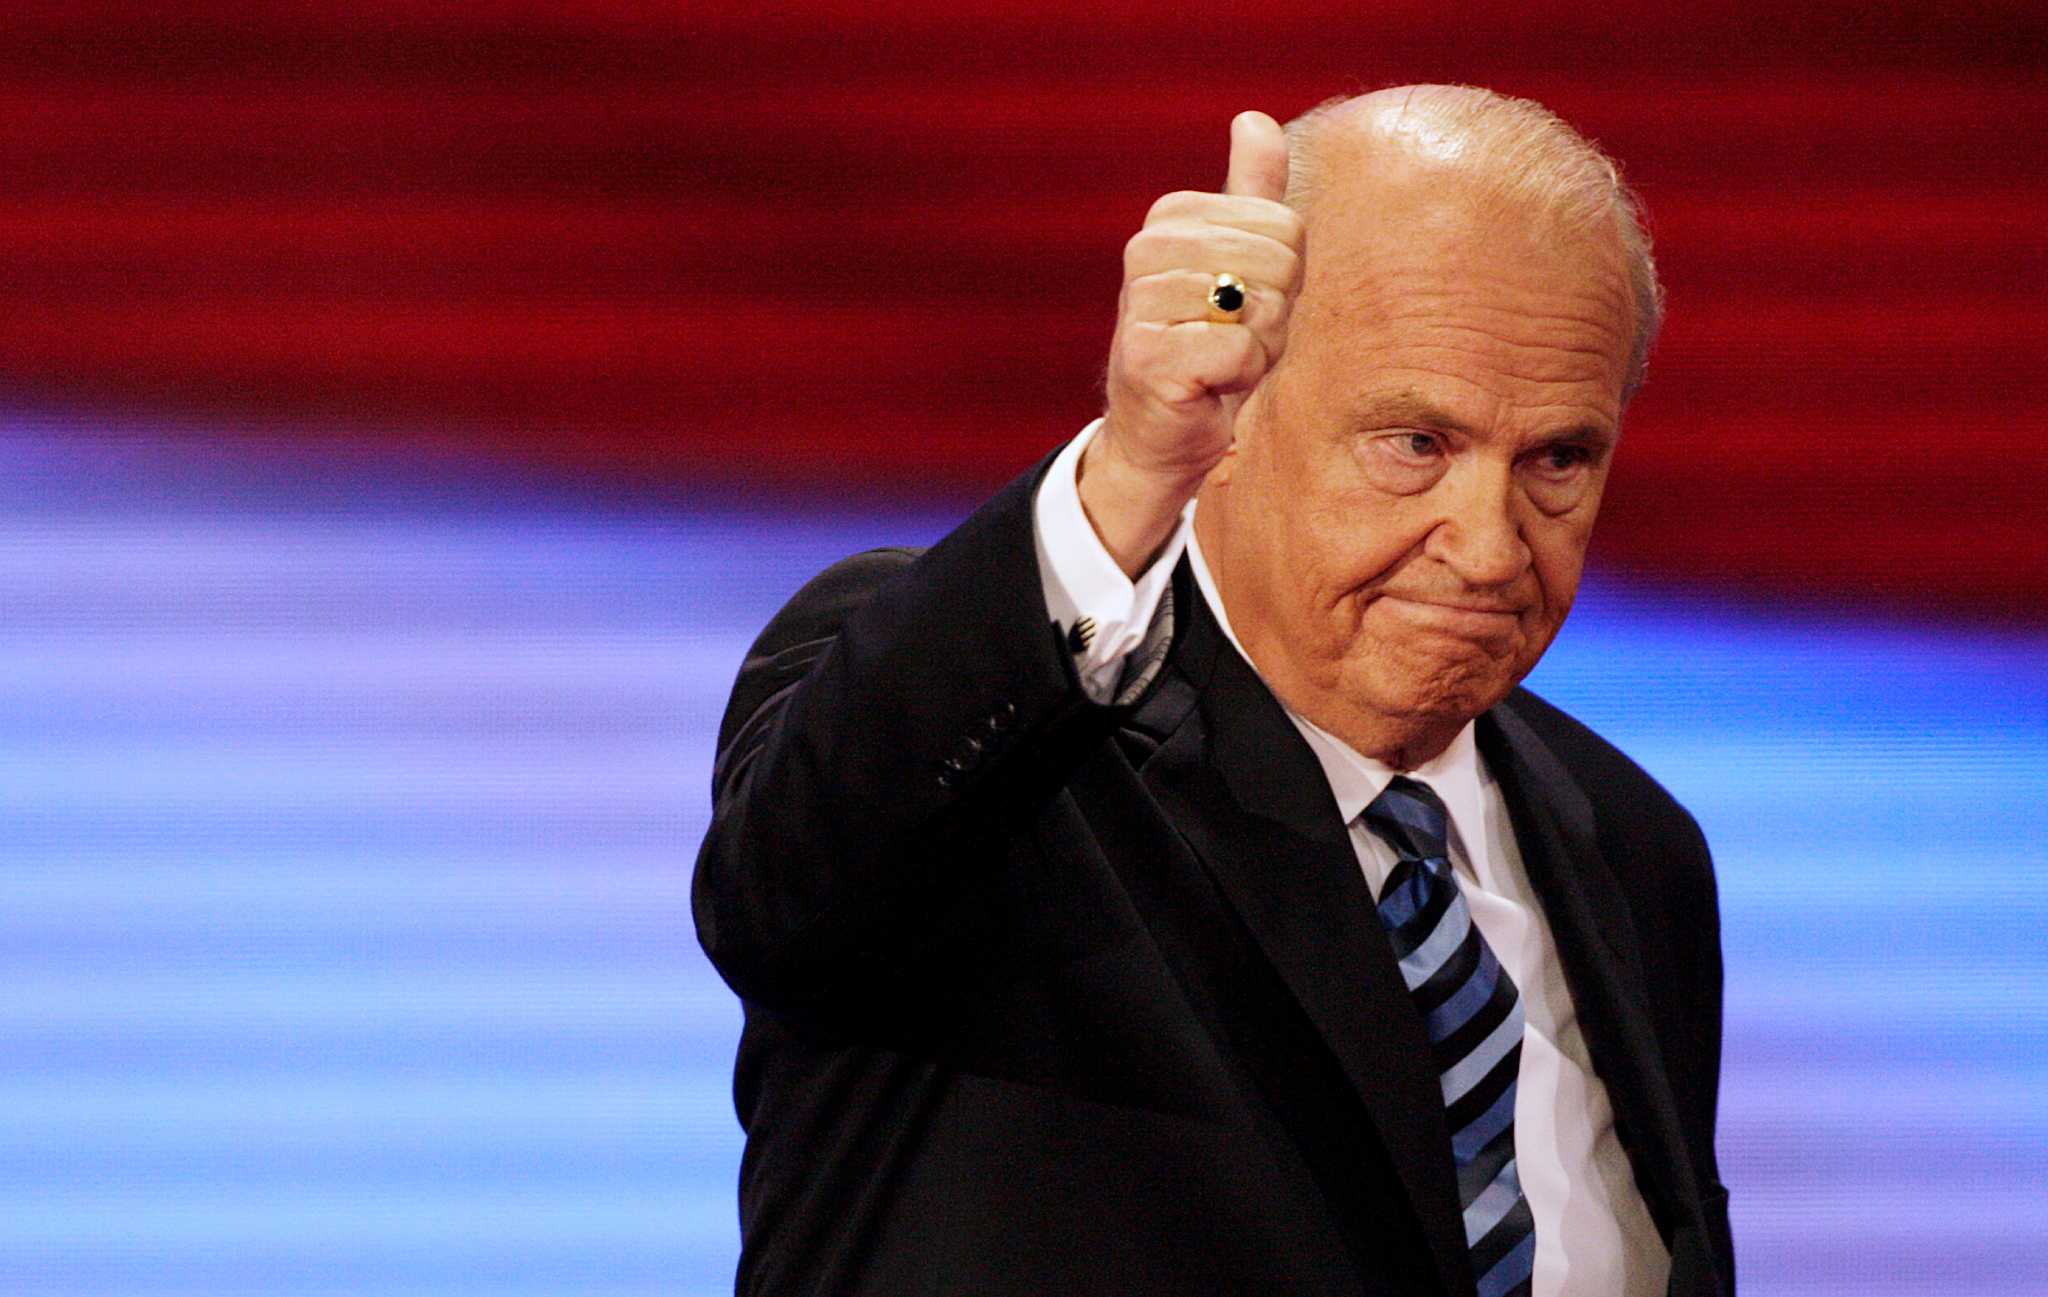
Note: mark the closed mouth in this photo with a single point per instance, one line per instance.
(1453, 608)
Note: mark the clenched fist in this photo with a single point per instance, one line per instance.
(1176, 376)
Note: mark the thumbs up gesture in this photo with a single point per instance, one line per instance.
(1179, 366)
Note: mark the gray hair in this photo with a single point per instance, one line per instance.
(1518, 151)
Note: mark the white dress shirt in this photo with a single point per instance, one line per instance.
(1593, 1233)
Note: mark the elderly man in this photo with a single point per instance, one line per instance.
(1161, 886)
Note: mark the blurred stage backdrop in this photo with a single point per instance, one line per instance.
(408, 414)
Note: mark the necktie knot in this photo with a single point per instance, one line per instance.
(1411, 818)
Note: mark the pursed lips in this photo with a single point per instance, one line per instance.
(1476, 618)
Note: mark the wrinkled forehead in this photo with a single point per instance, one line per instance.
(1408, 285)
(1397, 225)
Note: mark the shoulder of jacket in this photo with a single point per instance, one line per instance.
(816, 610)
(1612, 778)
(803, 628)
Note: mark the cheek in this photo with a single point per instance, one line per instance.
(1324, 577)
(1557, 552)
(1355, 537)
(1558, 559)
(1335, 540)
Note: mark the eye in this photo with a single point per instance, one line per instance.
(1563, 458)
(1403, 461)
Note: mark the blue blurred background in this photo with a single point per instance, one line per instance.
(350, 811)
(409, 414)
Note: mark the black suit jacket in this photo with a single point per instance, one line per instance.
(1049, 997)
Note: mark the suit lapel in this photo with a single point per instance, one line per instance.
(1596, 943)
(1246, 792)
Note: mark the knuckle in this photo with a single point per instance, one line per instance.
(1287, 269)
(1246, 348)
(1271, 343)
(1287, 224)
(1138, 252)
(1146, 298)
(1155, 248)
(1140, 348)
(1247, 356)
(1169, 206)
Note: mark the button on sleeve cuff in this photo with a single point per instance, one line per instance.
(1084, 587)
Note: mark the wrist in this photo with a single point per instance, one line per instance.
(1133, 509)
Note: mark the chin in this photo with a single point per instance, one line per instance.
(1436, 691)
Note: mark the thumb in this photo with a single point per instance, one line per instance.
(1258, 157)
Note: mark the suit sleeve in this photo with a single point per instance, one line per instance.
(1702, 918)
(896, 717)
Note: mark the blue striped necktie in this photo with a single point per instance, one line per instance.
(1474, 1018)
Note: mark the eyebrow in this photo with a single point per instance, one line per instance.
(1406, 409)
(1411, 410)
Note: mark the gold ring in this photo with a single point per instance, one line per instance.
(1226, 299)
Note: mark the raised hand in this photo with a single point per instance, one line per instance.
(1177, 372)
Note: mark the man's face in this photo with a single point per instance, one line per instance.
(1405, 515)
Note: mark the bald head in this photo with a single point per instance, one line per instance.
(1512, 157)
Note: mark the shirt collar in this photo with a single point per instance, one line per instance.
(1355, 779)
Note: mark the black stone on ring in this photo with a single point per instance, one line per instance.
(1226, 295)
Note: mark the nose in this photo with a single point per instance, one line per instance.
(1479, 535)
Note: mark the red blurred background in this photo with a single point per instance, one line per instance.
(815, 245)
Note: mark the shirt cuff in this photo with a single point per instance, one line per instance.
(1102, 612)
